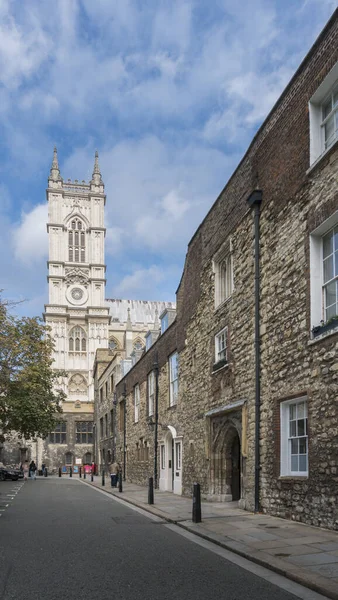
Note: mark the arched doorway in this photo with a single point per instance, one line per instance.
(225, 471)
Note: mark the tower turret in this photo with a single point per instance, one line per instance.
(54, 174)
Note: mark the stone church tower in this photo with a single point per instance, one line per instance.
(76, 313)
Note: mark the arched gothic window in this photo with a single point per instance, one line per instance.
(77, 340)
(138, 345)
(76, 241)
(113, 344)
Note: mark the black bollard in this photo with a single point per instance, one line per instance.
(151, 491)
(103, 482)
(46, 472)
(196, 504)
(80, 472)
(70, 472)
(120, 481)
(92, 476)
(60, 472)
(84, 473)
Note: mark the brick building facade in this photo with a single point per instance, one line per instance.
(238, 359)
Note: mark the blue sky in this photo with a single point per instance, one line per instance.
(169, 92)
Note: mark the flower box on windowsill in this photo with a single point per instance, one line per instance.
(324, 327)
(219, 365)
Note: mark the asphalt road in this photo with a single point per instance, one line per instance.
(61, 539)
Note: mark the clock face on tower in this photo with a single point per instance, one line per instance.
(77, 294)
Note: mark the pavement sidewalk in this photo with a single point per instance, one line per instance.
(305, 554)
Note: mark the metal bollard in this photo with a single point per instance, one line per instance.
(196, 504)
(151, 491)
(60, 472)
(103, 482)
(84, 473)
(92, 476)
(80, 472)
(70, 472)
(120, 482)
(46, 472)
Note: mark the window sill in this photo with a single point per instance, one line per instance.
(321, 157)
(322, 336)
(172, 407)
(222, 364)
(222, 304)
(292, 478)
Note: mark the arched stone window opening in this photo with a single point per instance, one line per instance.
(77, 340)
(113, 344)
(76, 242)
(138, 345)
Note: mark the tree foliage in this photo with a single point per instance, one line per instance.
(29, 396)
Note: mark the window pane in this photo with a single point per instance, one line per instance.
(292, 411)
(336, 263)
(300, 410)
(294, 463)
(330, 294)
(293, 429)
(79, 225)
(329, 131)
(327, 244)
(302, 445)
(328, 268)
(327, 107)
(294, 446)
(331, 311)
(78, 438)
(301, 427)
(302, 462)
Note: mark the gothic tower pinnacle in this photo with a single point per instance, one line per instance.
(96, 177)
(54, 174)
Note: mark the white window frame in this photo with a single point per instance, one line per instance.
(178, 456)
(286, 438)
(164, 322)
(317, 123)
(151, 393)
(149, 341)
(221, 345)
(223, 270)
(173, 379)
(317, 285)
(162, 454)
(136, 403)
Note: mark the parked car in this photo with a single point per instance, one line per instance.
(8, 473)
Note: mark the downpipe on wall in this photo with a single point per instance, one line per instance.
(254, 201)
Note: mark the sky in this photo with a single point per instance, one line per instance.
(169, 92)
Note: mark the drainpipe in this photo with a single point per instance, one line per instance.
(156, 420)
(124, 394)
(255, 200)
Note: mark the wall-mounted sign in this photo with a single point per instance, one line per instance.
(78, 461)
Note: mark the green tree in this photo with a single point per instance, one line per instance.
(30, 398)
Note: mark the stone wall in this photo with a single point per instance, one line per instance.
(216, 405)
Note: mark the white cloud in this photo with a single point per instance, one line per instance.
(30, 237)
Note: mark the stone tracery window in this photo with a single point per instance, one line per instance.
(77, 340)
(76, 241)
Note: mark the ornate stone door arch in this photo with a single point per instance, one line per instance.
(225, 467)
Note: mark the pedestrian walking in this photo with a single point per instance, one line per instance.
(25, 468)
(114, 471)
(32, 470)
